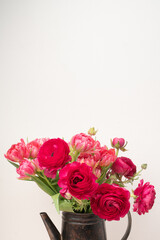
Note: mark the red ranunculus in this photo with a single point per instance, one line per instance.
(110, 202)
(145, 197)
(124, 166)
(77, 180)
(54, 154)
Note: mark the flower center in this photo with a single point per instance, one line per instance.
(52, 154)
(76, 180)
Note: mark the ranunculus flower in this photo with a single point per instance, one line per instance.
(35, 145)
(82, 142)
(92, 160)
(50, 174)
(118, 142)
(110, 202)
(17, 152)
(54, 154)
(107, 156)
(26, 167)
(124, 167)
(78, 180)
(145, 197)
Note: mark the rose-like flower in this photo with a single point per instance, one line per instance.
(50, 174)
(110, 202)
(82, 142)
(124, 167)
(35, 145)
(145, 194)
(118, 142)
(53, 154)
(92, 160)
(17, 152)
(26, 167)
(77, 180)
(107, 156)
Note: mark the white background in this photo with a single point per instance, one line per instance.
(67, 65)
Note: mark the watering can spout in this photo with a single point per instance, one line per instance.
(51, 228)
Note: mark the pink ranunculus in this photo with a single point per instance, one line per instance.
(17, 152)
(35, 145)
(50, 174)
(54, 154)
(82, 142)
(145, 197)
(110, 202)
(78, 180)
(124, 167)
(107, 156)
(92, 160)
(26, 167)
(118, 142)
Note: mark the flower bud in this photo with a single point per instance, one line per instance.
(144, 166)
(118, 142)
(92, 131)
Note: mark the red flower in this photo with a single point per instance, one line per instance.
(145, 197)
(77, 180)
(110, 202)
(53, 154)
(124, 166)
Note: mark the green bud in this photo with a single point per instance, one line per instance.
(92, 131)
(144, 166)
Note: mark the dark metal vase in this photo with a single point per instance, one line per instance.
(76, 226)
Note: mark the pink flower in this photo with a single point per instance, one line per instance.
(35, 145)
(17, 152)
(77, 180)
(26, 167)
(145, 197)
(118, 142)
(82, 142)
(124, 166)
(53, 154)
(107, 156)
(92, 160)
(110, 202)
(50, 174)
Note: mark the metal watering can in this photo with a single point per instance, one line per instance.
(80, 226)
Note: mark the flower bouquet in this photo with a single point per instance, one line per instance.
(82, 176)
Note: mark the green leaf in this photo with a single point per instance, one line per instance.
(14, 164)
(56, 201)
(65, 206)
(42, 185)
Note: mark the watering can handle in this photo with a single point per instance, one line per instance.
(128, 227)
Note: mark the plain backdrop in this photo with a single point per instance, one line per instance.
(68, 65)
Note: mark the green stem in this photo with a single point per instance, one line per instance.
(47, 181)
(117, 151)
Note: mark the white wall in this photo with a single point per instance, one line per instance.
(67, 66)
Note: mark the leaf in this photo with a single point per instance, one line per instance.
(65, 206)
(56, 201)
(42, 185)
(14, 164)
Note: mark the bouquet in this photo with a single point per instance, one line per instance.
(82, 176)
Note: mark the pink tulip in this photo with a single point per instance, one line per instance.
(35, 145)
(82, 142)
(26, 167)
(17, 152)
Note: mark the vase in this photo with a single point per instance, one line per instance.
(80, 226)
